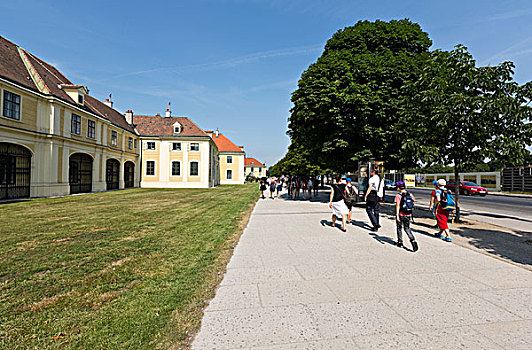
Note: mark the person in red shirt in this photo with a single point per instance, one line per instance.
(404, 204)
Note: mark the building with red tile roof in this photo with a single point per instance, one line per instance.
(63, 140)
(231, 159)
(254, 168)
(176, 153)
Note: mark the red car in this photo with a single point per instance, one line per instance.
(467, 188)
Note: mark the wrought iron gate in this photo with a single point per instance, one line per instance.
(80, 173)
(15, 171)
(129, 174)
(112, 174)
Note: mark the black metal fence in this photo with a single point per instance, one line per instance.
(518, 179)
(15, 171)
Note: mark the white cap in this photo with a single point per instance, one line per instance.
(442, 182)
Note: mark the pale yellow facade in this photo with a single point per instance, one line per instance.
(44, 129)
(255, 170)
(193, 169)
(232, 168)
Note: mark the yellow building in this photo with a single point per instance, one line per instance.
(254, 168)
(55, 138)
(231, 159)
(176, 153)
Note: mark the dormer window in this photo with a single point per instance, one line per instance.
(177, 128)
(76, 92)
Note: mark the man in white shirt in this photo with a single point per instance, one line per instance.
(373, 196)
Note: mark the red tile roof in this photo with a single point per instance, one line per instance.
(13, 68)
(148, 125)
(224, 144)
(248, 161)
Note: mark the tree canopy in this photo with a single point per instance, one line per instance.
(346, 104)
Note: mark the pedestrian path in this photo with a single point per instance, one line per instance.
(296, 283)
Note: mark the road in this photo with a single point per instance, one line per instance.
(511, 212)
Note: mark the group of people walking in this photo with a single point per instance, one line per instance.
(298, 187)
(343, 197)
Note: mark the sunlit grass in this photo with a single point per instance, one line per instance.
(121, 269)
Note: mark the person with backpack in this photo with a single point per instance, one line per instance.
(273, 184)
(303, 188)
(262, 188)
(373, 197)
(336, 202)
(351, 194)
(445, 204)
(432, 204)
(404, 207)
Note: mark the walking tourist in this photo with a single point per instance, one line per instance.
(309, 187)
(432, 204)
(304, 188)
(272, 188)
(298, 187)
(404, 206)
(279, 187)
(262, 188)
(442, 215)
(336, 202)
(373, 196)
(351, 194)
(315, 186)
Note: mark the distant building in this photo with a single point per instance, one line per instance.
(176, 153)
(253, 167)
(231, 159)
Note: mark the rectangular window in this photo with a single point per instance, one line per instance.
(91, 129)
(114, 138)
(176, 146)
(135, 143)
(80, 99)
(130, 143)
(176, 168)
(75, 126)
(150, 145)
(229, 174)
(11, 105)
(194, 146)
(150, 167)
(229, 159)
(194, 168)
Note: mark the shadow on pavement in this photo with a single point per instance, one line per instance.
(495, 216)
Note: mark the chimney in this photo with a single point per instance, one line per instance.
(129, 116)
(241, 148)
(108, 101)
(168, 111)
(217, 132)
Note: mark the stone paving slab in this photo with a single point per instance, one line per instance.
(296, 283)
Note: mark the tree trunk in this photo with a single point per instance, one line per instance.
(457, 190)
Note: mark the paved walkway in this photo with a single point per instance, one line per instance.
(296, 283)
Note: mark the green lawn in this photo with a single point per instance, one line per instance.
(115, 270)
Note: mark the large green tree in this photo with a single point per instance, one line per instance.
(295, 162)
(346, 104)
(459, 114)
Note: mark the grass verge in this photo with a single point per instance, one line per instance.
(122, 269)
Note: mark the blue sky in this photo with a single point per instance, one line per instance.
(233, 64)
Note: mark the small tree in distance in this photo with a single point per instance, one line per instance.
(460, 114)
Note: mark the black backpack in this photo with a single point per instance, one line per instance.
(407, 203)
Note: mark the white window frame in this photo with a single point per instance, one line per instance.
(2, 101)
(180, 147)
(194, 150)
(172, 168)
(154, 146)
(114, 141)
(229, 159)
(130, 142)
(93, 136)
(190, 168)
(154, 168)
(227, 173)
(75, 132)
